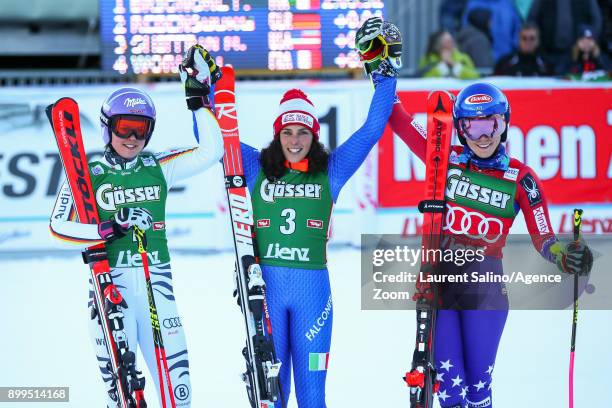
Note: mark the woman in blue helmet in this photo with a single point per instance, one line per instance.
(478, 215)
(131, 188)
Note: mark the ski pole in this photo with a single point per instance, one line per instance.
(577, 224)
(160, 351)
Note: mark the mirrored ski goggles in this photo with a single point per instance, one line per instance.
(125, 126)
(487, 126)
(379, 48)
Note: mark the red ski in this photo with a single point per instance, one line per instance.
(108, 303)
(261, 376)
(422, 377)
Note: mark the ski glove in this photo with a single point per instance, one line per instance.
(379, 44)
(124, 220)
(573, 258)
(198, 73)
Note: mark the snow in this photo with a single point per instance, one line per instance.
(45, 340)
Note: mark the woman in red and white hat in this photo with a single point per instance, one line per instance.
(294, 183)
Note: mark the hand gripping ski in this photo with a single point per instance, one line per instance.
(422, 377)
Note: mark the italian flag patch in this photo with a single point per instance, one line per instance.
(318, 361)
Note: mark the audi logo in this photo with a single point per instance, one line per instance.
(469, 218)
(172, 322)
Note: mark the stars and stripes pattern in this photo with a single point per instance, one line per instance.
(455, 389)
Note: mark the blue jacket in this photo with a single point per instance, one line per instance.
(505, 26)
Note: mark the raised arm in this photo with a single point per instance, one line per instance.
(180, 164)
(250, 164)
(412, 134)
(347, 158)
(198, 73)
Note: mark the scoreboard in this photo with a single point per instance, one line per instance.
(151, 36)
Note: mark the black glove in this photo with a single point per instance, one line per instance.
(574, 258)
(124, 220)
(379, 45)
(198, 73)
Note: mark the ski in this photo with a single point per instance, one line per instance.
(421, 379)
(262, 367)
(108, 304)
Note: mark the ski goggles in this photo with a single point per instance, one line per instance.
(379, 48)
(127, 125)
(487, 126)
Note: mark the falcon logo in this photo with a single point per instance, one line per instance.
(478, 99)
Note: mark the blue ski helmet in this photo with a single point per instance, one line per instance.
(481, 99)
(126, 101)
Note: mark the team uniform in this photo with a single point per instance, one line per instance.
(142, 182)
(292, 219)
(483, 197)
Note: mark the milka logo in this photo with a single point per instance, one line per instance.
(270, 191)
(131, 102)
(129, 259)
(458, 185)
(109, 197)
(275, 251)
(297, 117)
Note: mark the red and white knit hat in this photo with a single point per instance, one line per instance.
(296, 109)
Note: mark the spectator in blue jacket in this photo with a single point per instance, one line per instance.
(505, 26)
(450, 15)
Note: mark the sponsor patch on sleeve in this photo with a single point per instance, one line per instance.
(97, 170)
(148, 161)
(318, 224)
(540, 219)
(534, 196)
(511, 173)
(263, 223)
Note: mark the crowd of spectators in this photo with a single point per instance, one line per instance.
(565, 38)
